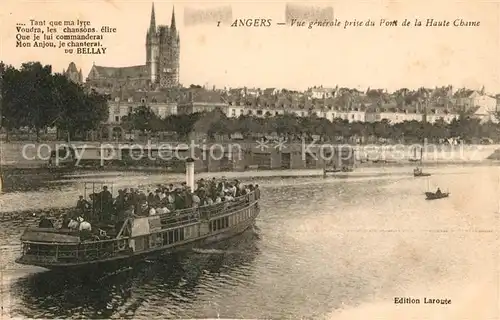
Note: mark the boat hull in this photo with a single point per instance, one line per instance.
(416, 175)
(433, 196)
(103, 266)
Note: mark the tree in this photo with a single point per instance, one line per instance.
(35, 98)
(78, 111)
(438, 130)
(247, 125)
(218, 124)
(143, 119)
(383, 129)
(12, 113)
(496, 113)
(181, 124)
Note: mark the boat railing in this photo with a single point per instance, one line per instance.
(87, 250)
(208, 211)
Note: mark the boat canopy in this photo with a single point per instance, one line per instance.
(48, 235)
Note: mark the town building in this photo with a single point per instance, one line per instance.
(469, 99)
(411, 113)
(160, 70)
(322, 93)
(121, 104)
(486, 113)
(200, 100)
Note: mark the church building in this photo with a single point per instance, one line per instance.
(73, 74)
(162, 63)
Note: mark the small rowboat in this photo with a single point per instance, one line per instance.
(421, 174)
(337, 170)
(435, 196)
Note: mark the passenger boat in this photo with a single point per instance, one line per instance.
(138, 236)
(435, 196)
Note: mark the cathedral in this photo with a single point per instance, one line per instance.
(162, 63)
(73, 74)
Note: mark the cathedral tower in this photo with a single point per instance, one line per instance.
(163, 52)
(152, 47)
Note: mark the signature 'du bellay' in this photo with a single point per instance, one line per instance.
(90, 50)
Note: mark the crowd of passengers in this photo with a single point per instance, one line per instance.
(102, 207)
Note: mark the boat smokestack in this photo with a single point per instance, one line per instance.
(190, 173)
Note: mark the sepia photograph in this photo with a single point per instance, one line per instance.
(249, 160)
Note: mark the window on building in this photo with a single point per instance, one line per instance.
(233, 112)
(117, 119)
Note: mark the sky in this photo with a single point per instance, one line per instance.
(284, 56)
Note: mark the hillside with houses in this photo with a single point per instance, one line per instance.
(348, 104)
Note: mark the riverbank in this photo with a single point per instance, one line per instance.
(33, 170)
(16, 157)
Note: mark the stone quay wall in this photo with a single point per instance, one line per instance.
(247, 156)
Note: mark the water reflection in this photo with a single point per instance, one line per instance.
(20, 180)
(173, 279)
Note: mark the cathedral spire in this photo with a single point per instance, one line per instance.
(152, 23)
(172, 23)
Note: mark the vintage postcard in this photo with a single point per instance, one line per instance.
(249, 160)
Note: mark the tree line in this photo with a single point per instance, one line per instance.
(289, 126)
(34, 98)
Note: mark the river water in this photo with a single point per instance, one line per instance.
(333, 248)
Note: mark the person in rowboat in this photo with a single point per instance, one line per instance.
(438, 192)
